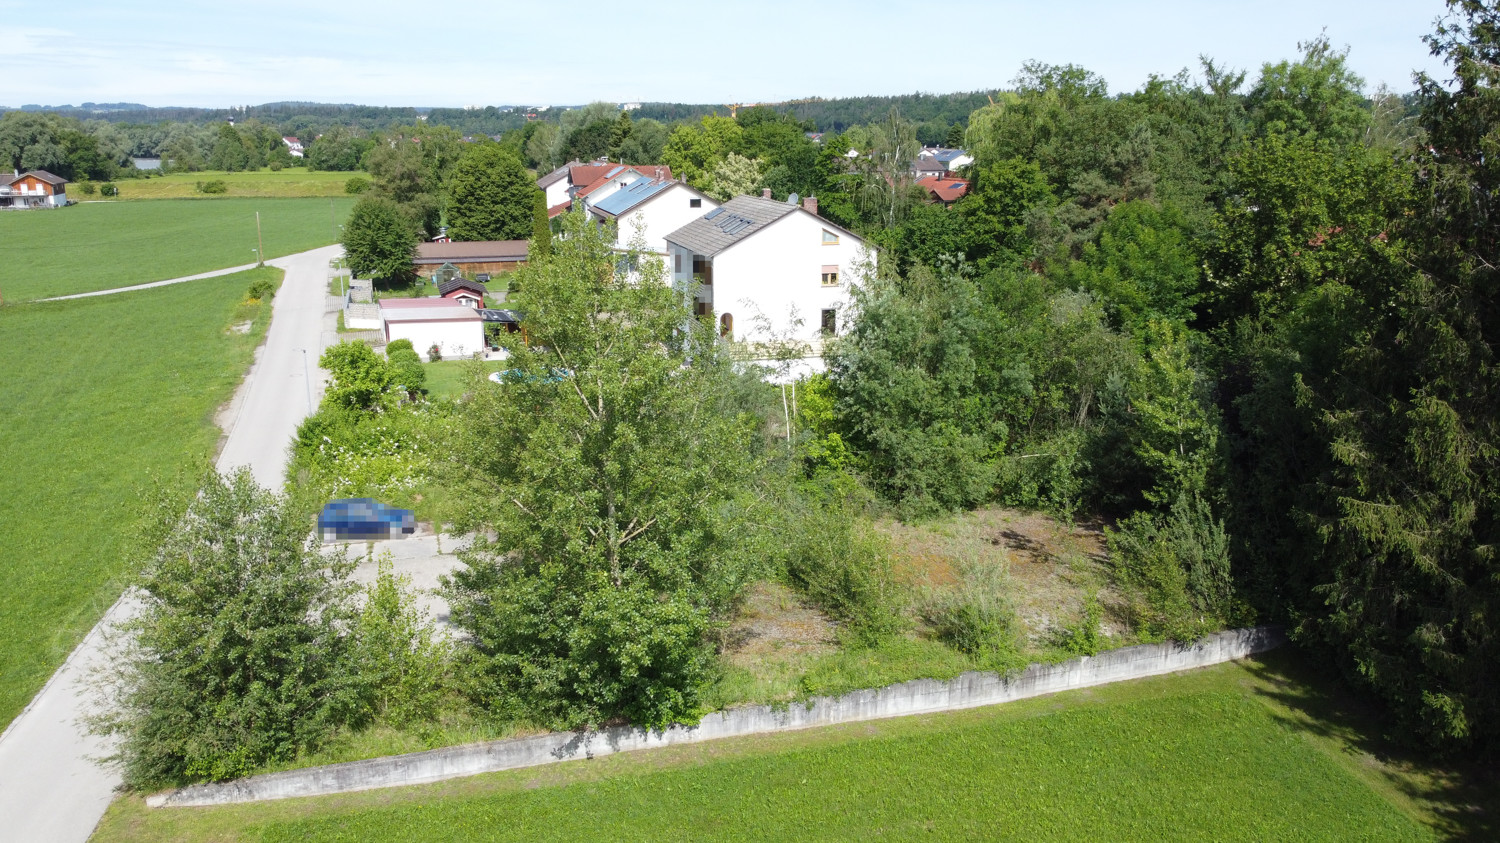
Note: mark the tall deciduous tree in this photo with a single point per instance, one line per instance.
(490, 196)
(599, 473)
(379, 241)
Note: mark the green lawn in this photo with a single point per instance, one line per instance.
(1261, 750)
(97, 396)
(289, 183)
(98, 246)
(447, 378)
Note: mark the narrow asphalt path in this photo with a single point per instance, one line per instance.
(51, 790)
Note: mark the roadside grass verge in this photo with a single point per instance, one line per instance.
(290, 183)
(1267, 748)
(90, 247)
(99, 395)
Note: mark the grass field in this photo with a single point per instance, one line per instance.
(97, 396)
(295, 182)
(1260, 750)
(98, 246)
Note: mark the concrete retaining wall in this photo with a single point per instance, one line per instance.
(921, 696)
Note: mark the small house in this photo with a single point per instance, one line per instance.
(33, 189)
(456, 330)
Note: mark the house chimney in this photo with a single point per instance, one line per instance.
(810, 205)
(765, 193)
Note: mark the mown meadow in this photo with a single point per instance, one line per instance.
(292, 182)
(98, 396)
(1257, 750)
(97, 246)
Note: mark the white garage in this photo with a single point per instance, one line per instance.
(456, 330)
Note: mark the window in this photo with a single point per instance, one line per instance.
(831, 275)
(703, 270)
(677, 262)
(695, 203)
(829, 238)
(726, 326)
(830, 322)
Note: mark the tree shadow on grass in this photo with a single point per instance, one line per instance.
(1462, 796)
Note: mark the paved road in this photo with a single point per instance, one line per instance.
(50, 790)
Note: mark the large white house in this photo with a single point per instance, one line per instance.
(655, 207)
(768, 270)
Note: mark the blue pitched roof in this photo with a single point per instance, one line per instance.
(630, 196)
(946, 155)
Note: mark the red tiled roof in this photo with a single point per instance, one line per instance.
(558, 208)
(946, 190)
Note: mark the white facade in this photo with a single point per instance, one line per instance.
(557, 192)
(658, 216)
(797, 269)
(457, 331)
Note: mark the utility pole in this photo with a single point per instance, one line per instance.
(260, 255)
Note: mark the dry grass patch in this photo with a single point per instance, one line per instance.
(1053, 566)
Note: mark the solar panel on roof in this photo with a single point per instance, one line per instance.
(611, 173)
(711, 214)
(957, 184)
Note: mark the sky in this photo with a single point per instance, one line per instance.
(210, 53)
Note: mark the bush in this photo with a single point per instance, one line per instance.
(1180, 563)
(260, 291)
(1082, 638)
(843, 566)
(408, 372)
(976, 616)
(401, 665)
(109, 189)
(398, 345)
(356, 186)
(211, 187)
(238, 657)
(434, 353)
(87, 188)
(275, 166)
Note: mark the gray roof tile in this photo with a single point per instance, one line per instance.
(730, 223)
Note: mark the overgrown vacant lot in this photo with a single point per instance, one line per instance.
(1260, 750)
(289, 183)
(98, 246)
(98, 395)
(779, 647)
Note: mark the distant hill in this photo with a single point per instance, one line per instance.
(933, 113)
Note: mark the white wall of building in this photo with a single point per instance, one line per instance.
(557, 192)
(777, 270)
(663, 214)
(456, 339)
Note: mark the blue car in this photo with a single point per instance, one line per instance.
(364, 519)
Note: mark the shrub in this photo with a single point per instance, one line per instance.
(260, 291)
(87, 188)
(109, 189)
(976, 616)
(401, 665)
(275, 166)
(408, 372)
(1180, 563)
(434, 353)
(398, 345)
(237, 657)
(842, 565)
(356, 186)
(1082, 638)
(211, 187)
